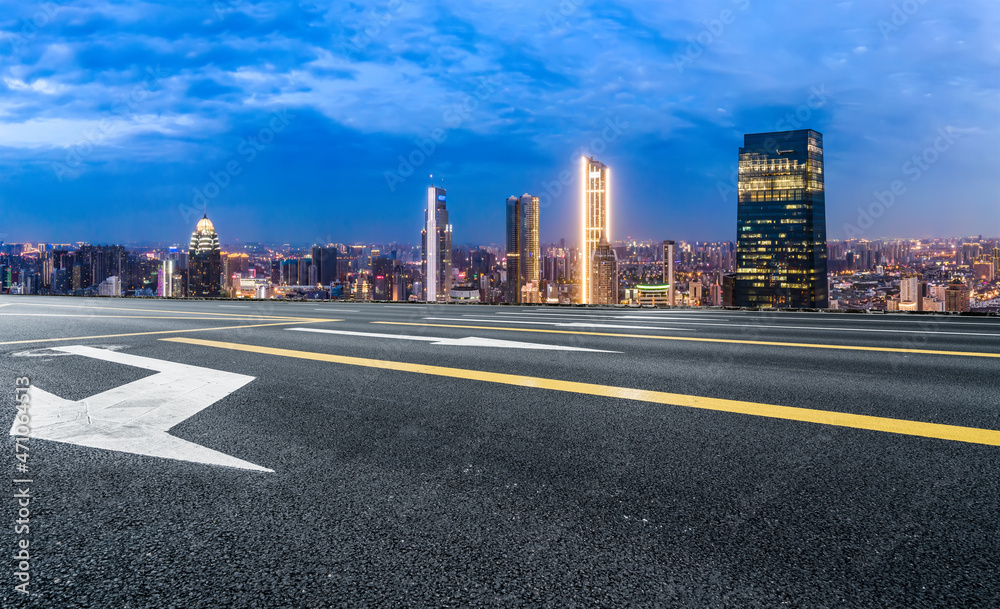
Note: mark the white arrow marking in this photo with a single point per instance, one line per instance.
(134, 418)
(469, 341)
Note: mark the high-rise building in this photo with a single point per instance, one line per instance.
(956, 297)
(204, 261)
(604, 278)
(436, 243)
(303, 267)
(523, 249)
(165, 279)
(668, 271)
(325, 261)
(781, 221)
(381, 279)
(996, 261)
(909, 292)
(595, 196)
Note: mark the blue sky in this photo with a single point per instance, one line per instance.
(321, 122)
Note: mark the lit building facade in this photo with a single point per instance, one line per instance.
(604, 274)
(668, 271)
(436, 243)
(523, 249)
(204, 261)
(781, 221)
(595, 200)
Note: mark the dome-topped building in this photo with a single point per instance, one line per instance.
(204, 225)
(204, 261)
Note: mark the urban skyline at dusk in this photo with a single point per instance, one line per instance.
(341, 119)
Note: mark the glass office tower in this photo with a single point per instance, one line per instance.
(523, 250)
(436, 243)
(781, 221)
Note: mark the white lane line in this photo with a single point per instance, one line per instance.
(338, 311)
(877, 317)
(134, 418)
(574, 324)
(599, 317)
(772, 316)
(235, 306)
(468, 341)
(698, 323)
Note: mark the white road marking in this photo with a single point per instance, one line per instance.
(469, 341)
(600, 316)
(337, 311)
(573, 324)
(134, 418)
(235, 306)
(699, 323)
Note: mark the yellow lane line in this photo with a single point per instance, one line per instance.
(705, 340)
(282, 323)
(225, 314)
(806, 415)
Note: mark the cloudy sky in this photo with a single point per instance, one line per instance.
(322, 122)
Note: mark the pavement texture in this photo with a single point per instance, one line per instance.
(400, 488)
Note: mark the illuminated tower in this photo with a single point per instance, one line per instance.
(595, 204)
(204, 261)
(523, 250)
(436, 241)
(781, 221)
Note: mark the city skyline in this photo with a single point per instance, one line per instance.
(905, 101)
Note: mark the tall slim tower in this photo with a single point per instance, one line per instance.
(523, 249)
(668, 270)
(595, 199)
(436, 241)
(204, 261)
(781, 221)
(605, 274)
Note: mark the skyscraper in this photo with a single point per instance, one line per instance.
(909, 291)
(595, 196)
(668, 270)
(523, 250)
(436, 242)
(325, 261)
(604, 278)
(956, 297)
(204, 261)
(781, 221)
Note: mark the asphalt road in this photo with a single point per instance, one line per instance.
(671, 458)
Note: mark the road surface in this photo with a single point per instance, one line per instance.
(240, 454)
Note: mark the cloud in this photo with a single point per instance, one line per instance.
(181, 83)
